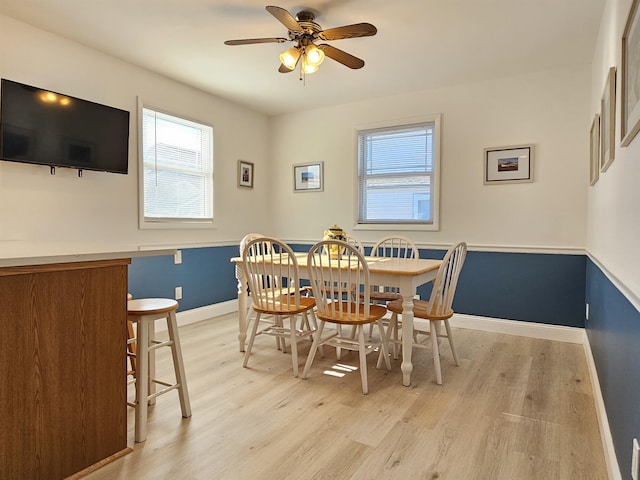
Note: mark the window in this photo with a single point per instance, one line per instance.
(177, 156)
(398, 175)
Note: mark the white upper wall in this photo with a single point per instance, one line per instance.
(613, 218)
(549, 109)
(103, 207)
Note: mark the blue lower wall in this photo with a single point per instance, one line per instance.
(543, 288)
(518, 286)
(614, 335)
(206, 276)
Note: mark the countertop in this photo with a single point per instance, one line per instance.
(19, 253)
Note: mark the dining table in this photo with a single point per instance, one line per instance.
(406, 274)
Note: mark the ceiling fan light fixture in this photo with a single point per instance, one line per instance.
(304, 31)
(307, 67)
(290, 58)
(314, 55)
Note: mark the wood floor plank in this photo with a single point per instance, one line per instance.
(516, 407)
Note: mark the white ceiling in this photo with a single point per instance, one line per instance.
(420, 44)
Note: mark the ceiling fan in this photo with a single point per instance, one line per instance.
(305, 33)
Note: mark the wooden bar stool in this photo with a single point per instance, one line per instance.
(144, 312)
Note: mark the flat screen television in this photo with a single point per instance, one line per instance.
(48, 128)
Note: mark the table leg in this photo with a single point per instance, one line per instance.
(242, 308)
(407, 337)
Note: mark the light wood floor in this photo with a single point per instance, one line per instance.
(516, 408)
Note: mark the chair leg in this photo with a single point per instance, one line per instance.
(131, 347)
(436, 352)
(314, 346)
(314, 327)
(392, 329)
(142, 383)
(178, 365)
(363, 360)
(338, 349)
(252, 337)
(151, 335)
(282, 345)
(454, 352)
(385, 336)
(294, 344)
(384, 346)
(396, 340)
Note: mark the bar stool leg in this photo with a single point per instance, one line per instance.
(142, 380)
(178, 365)
(151, 336)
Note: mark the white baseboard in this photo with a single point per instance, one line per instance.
(524, 329)
(610, 457)
(194, 315)
(208, 311)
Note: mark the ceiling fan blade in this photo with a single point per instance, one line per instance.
(285, 18)
(341, 56)
(248, 41)
(348, 31)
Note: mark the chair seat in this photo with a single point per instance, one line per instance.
(421, 309)
(150, 306)
(384, 296)
(348, 314)
(286, 307)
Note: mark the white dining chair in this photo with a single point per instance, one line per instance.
(271, 270)
(333, 281)
(392, 246)
(439, 309)
(355, 242)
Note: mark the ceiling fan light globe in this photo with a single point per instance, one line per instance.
(307, 68)
(290, 58)
(314, 55)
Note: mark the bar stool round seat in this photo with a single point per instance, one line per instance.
(144, 312)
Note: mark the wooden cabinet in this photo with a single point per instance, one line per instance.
(62, 364)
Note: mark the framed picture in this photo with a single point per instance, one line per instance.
(245, 174)
(630, 87)
(594, 164)
(608, 121)
(508, 164)
(307, 177)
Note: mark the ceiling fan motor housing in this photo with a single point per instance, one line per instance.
(310, 28)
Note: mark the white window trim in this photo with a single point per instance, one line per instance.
(435, 193)
(163, 224)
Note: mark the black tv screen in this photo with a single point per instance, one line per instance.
(47, 128)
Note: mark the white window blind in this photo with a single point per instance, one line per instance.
(396, 174)
(178, 169)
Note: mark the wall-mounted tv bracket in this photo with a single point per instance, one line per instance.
(53, 171)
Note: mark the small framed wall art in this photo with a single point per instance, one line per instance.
(630, 84)
(245, 174)
(594, 164)
(307, 177)
(508, 164)
(608, 121)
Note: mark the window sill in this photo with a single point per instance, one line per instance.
(424, 227)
